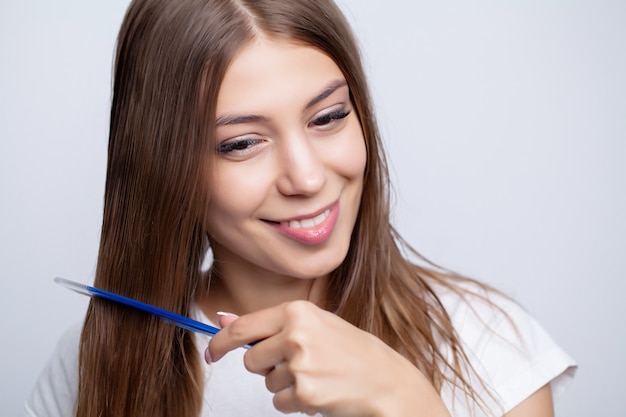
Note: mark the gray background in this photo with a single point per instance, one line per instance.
(506, 128)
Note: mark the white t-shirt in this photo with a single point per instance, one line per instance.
(514, 361)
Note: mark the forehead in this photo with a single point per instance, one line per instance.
(267, 70)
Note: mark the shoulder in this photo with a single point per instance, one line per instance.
(478, 314)
(505, 346)
(56, 389)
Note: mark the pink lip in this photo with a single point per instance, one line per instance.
(312, 235)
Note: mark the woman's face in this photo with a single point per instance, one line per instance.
(288, 167)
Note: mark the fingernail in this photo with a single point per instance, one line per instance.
(222, 314)
(225, 314)
(207, 356)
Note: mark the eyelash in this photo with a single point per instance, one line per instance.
(244, 144)
(238, 145)
(327, 118)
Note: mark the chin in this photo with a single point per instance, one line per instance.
(317, 268)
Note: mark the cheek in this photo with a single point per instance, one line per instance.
(234, 195)
(350, 157)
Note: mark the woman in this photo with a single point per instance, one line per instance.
(245, 127)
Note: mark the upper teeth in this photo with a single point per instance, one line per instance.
(304, 223)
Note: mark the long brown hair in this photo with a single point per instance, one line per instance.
(171, 58)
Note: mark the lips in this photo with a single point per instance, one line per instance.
(313, 230)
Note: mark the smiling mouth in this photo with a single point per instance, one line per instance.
(312, 230)
(307, 223)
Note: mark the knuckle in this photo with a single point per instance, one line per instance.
(289, 401)
(249, 363)
(298, 309)
(297, 347)
(296, 340)
(302, 324)
(238, 328)
(306, 395)
(281, 404)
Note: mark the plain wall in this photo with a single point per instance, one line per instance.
(505, 124)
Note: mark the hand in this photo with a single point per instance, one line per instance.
(315, 362)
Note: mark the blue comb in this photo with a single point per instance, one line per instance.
(176, 319)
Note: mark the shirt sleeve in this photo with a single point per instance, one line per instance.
(509, 352)
(55, 392)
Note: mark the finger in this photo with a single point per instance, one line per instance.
(265, 355)
(224, 319)
(244, 330)
(288, 401)
(279, 378)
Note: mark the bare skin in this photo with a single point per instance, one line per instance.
(539, 404)
(315, 362)
(288, 179)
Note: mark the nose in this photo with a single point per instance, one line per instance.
(302, 171)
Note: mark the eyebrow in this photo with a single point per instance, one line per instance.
(233, 120)
(334, 86)
(252, 118)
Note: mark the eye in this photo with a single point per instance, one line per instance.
(328, 120)
(237, 146)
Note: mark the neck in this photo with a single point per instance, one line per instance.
(235, 291)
